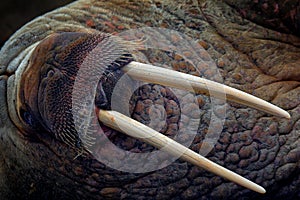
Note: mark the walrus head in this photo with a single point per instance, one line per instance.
(45, 93)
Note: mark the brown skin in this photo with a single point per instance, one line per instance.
(263, 148)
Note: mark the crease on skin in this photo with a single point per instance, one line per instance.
(282, 91)
(277, 87)
(294, 42)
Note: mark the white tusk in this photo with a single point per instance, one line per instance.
(140, 131)
(171, 78)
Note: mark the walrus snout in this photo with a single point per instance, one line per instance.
(47, 84)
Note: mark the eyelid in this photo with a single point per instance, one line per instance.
(27, 117)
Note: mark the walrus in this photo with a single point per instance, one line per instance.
(45, 156)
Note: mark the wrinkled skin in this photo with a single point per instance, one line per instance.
(259, 60)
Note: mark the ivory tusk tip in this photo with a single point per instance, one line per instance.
(258, 189)
(262, 190)
(286, 115)
(279, 112)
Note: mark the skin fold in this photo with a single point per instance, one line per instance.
(251, 54)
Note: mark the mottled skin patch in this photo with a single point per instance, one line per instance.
(250, 57)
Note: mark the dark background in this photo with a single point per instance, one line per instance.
(15, 13)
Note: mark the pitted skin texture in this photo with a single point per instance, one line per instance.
(250, 57)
